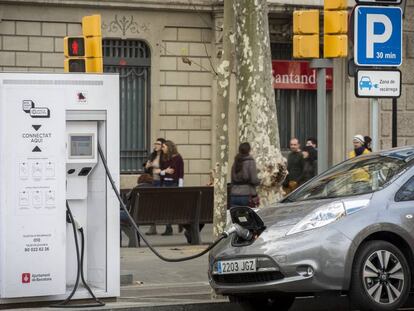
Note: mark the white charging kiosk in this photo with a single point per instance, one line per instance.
(50, 126)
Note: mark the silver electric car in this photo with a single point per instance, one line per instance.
(349, 230)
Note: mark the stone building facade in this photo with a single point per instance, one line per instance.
(184, 40)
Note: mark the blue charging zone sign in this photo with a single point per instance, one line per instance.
(378, 36)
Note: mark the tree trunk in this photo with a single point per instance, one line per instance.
(222, 137)
(256, 100)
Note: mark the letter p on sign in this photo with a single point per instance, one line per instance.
(372, 37)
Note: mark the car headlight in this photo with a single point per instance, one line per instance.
(320, 217)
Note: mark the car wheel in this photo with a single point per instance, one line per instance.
(380, 277)
(264, 303)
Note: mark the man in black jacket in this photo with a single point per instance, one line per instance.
(295, 166)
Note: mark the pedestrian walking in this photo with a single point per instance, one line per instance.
(151, 167)
(310, 164)
(171, 171)
(294, 166)
(244, 179)
(359, 147)
(360, 177)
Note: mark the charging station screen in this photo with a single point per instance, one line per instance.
(81, 146)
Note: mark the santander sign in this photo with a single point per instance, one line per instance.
(297, 75)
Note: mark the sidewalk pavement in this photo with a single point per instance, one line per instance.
(157, 282)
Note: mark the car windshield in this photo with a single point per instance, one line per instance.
(359, 175)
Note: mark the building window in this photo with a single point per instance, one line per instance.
(132, 60)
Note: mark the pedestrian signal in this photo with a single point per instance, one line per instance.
(74, 65)
(74, 46)
(84, 53)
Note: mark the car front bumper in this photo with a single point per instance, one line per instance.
(325, 250)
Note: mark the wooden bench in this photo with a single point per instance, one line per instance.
(190, 206)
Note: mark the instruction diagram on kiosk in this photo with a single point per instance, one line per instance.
(35, 167)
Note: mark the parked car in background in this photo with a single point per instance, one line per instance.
(349, 230)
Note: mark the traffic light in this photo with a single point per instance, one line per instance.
(306, 34)
(74, 50)
(74, 46)
(91, 28)
(335, 28)
(84, 53)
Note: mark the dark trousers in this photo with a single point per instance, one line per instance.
(169, 183)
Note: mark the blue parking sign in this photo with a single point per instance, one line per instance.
(378, 36)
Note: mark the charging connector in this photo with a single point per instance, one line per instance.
(79, 275)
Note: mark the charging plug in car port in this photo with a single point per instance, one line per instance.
(245, 219)
(305, 271)
(248, 219)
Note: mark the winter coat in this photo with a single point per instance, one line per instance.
(244, 182)
(295, 167)
(310, 170)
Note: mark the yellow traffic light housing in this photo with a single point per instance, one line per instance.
(84, 53)
(335, 5)
(335, 42)
(91, 29)
(94, 65)
(335, 46)
(306, 22)
(91, 26)
(93, 47)
(306, 46)
(306, 34)
(336, 22)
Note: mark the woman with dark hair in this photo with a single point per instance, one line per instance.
(154, 162)
(310, 164)
(244, 178)
(368, 142)
(171, 171)
(151, 167)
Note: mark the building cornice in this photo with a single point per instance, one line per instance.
(276, 7)
(168, 5)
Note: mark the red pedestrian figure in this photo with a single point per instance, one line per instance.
(75, 47)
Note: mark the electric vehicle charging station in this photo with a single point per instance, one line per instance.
(50, 127)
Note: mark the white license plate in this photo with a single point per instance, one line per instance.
(236, 266)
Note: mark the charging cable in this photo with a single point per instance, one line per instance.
(224, 235)
(79, 274)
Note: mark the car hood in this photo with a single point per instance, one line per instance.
(279, 219)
